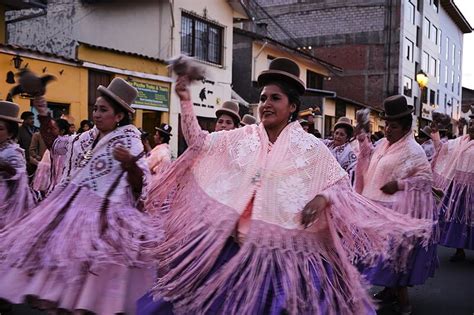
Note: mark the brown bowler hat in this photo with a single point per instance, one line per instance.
(164, 128)
(9, 111)
(427, 131)
(395, 107)
(229, 108)
(248, 120)
(121, 92)
(343, 121)
(282, 69)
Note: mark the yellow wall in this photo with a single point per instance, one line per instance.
(2, 24)
(121, 61)
(70, 87)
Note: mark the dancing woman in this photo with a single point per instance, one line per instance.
(16, 197)
(80, 249)
(263, 219)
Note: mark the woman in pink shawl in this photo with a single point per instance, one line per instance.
(396, 174)
(453, 170)
(263, 219)
(80, 250)
(159, 157)
(16, 198)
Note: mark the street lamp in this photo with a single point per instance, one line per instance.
(422, 79)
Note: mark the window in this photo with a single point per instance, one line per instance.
(439, 40)
(407, 86)
(408, 49)
(438, 71)
(418, 36)
(432, 67)
(432, 97)
(425, 62)
(447, 48)
(410, 12)
(201, 39)
(459, 59)
(445, 100)
(418, 5)
(314, 80)
(434, 34)
(452, 81)
(453, 54)
(436, 5)
(426, 28)
(459, 85)
(445, 76)
(424, 96)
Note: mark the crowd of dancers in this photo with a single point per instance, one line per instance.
(254, 218)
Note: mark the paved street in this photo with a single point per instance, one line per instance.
(451, 292)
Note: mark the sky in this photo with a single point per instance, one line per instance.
(467, 9)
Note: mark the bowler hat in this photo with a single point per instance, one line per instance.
(248, 120)
(282, 69)
(396, 107)
(343, 121)
(229, 108)
(9, 111)
(164, 128)
(426, 130)
(120, 91)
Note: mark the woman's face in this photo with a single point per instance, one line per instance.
(104, 116)
(394, 131)
(4, 134)
(157, 137)
(225, 122)
(470, 129)
(85, 127)
(274, 108)
(340, 136)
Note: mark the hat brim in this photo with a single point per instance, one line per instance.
(9, 118)
(103, 90)
(343, 124)
(410, 110)
(268, 76)
(221, 111)
(163, 131)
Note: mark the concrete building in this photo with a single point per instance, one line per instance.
(151, 30)
(381, 45)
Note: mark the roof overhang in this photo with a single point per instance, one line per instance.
(240, 11)
(456, 15)
(22, 4)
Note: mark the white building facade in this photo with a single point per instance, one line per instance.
(431, 34)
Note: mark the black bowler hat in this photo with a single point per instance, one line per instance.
(395, 107)
(164, 128)
(282, 69)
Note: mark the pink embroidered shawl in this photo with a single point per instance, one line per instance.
(16, 198)
(211, 185)
(159, 158)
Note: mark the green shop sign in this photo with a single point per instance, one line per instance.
(151, 96)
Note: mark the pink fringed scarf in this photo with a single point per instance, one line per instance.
(16, 197)
(208, 189)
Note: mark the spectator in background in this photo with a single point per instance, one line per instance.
(25, 133)
(85, 125)
(37, 149)
(228, 117)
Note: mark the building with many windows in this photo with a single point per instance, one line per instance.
(382, 46)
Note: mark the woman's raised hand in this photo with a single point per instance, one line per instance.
(182, 88)
(39, 102)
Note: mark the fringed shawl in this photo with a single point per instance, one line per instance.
(454, 158)
(16, 197)
(159, 158)
(209, 187)
(345, 155)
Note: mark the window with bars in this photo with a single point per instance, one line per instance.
(314, 80)
(201, 39)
